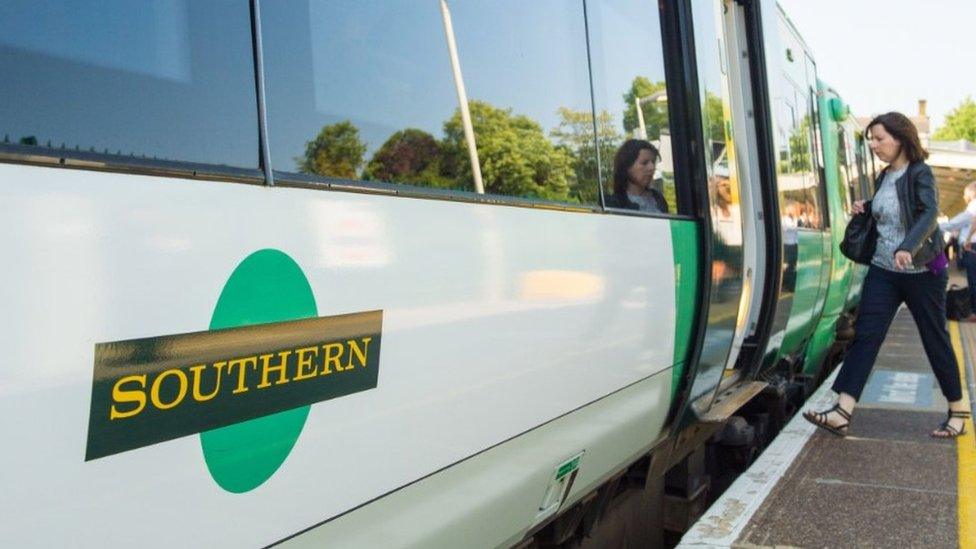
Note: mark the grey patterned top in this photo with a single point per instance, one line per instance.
(891, 231)
(645, 203)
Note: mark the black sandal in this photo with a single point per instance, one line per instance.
(948, 431)
(820, 420)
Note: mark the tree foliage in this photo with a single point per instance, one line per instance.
(409, 156)
(516, 158)
(575, 134)
(797, 158)
(337, 151)
(960, 123)
(655, 112)
(714, 118)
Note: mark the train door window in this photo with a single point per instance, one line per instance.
(369, 90)
(723, 183)
(170, 81)
(799, 197)
(817, 188)
(630, 94)
(847, 188)
(802, 153)
(864, 179)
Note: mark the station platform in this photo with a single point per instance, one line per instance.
(887, 484)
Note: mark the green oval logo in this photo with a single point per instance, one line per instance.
(268, 286)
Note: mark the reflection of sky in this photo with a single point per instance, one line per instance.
(153, 78)
(706, 45)
(384, 64)
(148, 37)
(385, 68)
(626, 43)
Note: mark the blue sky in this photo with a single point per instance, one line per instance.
(884, 55)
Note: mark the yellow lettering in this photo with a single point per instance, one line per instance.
(132, 395)
(197, 374)
(266, 367)
(333, 352)
(305, 369)
(243, 363)
(360, 353)
(158, 382)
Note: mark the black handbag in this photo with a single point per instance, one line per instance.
(860, 238)
(958, 304)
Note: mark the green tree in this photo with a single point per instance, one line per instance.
(715, 117)
(655, 112)
(409, 156)
(337, 151)
(960, 123)
(800, 147)
(575, 134)
(516, 158)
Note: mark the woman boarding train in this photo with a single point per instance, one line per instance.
(908, 266)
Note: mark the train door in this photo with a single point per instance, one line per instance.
(802, 218)
(725, 206)
(743, 126)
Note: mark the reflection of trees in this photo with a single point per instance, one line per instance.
(409, 156)
(337, 151)
(797, 159)
(516, 158)
(655, 114)
(715, 118)
(575, 135)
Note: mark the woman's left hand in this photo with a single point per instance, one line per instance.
(903, 259)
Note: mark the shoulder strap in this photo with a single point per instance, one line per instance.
(880, 179)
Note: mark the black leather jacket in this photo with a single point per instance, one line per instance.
(621, 201)
(919, 201)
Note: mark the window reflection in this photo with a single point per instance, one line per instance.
(147, 79)
(800, 196)
(367, 91)
(723, 184)
(629, 88)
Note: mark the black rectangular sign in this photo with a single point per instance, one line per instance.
(160, 388)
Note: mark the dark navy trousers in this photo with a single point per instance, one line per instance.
(883, 292)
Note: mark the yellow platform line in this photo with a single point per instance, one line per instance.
(966, 451)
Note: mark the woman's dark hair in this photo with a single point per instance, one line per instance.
(626, 156)
(902, 129)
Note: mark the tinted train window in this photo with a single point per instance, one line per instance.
(799, 195)
(171, 80)
(366, 91)
(630, 91)
(843, 171)
(723, 183)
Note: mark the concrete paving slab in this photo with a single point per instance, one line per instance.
(818, 514)
(907, 426)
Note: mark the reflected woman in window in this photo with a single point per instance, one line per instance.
(633, 178)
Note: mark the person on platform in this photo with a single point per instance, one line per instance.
(961, 226)
(633, 178)
(908, 266)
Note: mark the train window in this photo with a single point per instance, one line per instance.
(138, 78)
(723, 184)
(630, 92)
(369, 90)
(817, 190)
(848, 193)
(794, 118)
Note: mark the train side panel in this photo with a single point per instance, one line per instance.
(495, 321)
